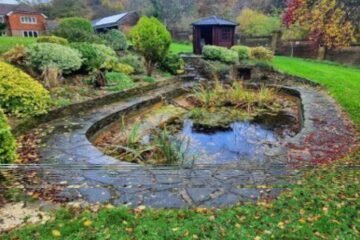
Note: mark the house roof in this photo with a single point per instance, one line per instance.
(214, 20)
(8, 8)
(110, 21)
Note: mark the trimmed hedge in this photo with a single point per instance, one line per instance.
(243, 52)
(261, 54)
(41, 55)
(7, 141)
(21, 95)
(220, 54)
(52, 39)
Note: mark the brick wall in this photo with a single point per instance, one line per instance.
(17, 27)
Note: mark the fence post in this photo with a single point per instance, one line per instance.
(276, 39)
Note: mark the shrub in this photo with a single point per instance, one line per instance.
(7, 141)
(123, 68)
(172, 63)
(91, 55)
(243, 52)
(52, 39)
(16, 55)
(41, 55)
(149, 79)
(152, 40)
(261, 54)
(118, 81)
(133, 61)
(115, 39)
(75, 30)
(220, 54)
(20, 94)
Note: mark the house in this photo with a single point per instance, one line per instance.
(21, 20)
(122, 21)
(213, 31)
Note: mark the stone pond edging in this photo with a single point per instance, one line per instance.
(27, 124)
(86, 173)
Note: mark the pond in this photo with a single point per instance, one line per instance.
(183, 131)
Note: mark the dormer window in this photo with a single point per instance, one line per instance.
(28, 20)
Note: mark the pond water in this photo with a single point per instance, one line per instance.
(241, 142)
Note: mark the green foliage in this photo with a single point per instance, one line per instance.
(75, 30)
(254, 23)
(20, 94)
(220, 54)
(41, 55)
(261, 54)
(115, 39)
(243, 52)
(172, 63)
(123, 68)
(134, 61)
(118, 81)
(92, 57)
(152, 40)
(52, 39)
(7, 141)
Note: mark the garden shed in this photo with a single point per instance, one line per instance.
(213, 31)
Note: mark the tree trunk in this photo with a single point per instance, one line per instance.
(150, 66)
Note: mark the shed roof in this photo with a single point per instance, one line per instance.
(214, 20)
(109, 21)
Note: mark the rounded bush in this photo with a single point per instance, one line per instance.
(7, 141)
(261, 54)
(91, 55)
(243, 52)
(75, 30)
(21, 95)
(41, 55)
(116, 40)
(220, 54)
(172, 63)
(133, 61)
(52, 39)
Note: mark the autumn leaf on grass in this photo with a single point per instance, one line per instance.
(87, 223)
(56, 233)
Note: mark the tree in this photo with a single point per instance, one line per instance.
(327, 21)
(152, 40)
(254, 23)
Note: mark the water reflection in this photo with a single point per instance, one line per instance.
(241, 141)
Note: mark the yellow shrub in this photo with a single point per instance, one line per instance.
(123, 68)
(261, 54)
(21, 95)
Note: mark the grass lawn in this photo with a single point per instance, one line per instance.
(181, 48)
(342, 82)
(8, 42)
(322, 205)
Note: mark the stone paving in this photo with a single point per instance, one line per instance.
(71, 160)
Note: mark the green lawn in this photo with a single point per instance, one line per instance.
(8, 42)
(342, 82)
(181, 48)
